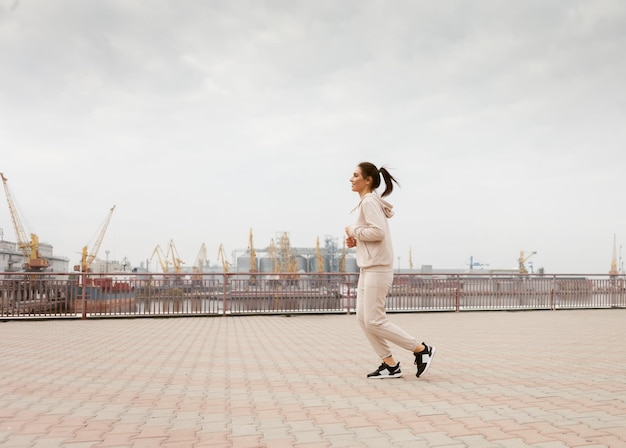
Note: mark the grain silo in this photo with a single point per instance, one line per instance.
(266, 263)
(243, 263)
(301, 263)
(350, 264)
(313, 265)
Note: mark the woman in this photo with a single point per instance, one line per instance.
(374, 253)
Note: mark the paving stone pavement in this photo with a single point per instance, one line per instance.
(543, 379)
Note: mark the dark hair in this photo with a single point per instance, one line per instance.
(369, 170)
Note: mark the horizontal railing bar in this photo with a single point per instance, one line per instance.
(88, 295)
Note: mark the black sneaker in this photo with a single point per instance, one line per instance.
(385, 371)
(423, 359)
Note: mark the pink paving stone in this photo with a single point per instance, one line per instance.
(36, 427)
(295, 416)
(278, 443)
(116, 440)
(182, 434)
(151, 432)
(88, 435)
(439, 419)
(609, 441)
(64, 431)
(8, 413)
(509, 425)
(153, 442)
(452, 430)
(246, 441)
(268, 413)
(572, 439)
(213, 444)
(385, 424)
(125, 428)
(321, 419)
(472, 422)
(419, 427)
(357, 422)
(493, 433)
(618, 431)
(545, 427)
(241, 411)
(531, 436)
(100, 424)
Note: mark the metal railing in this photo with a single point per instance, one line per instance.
(86, 295)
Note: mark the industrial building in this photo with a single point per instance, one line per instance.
(12, 259)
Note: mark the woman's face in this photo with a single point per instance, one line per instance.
(359, 184)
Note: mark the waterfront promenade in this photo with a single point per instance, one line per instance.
(499, 379)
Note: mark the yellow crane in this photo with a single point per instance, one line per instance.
(161, 257)
(29, 248)
(172, 254)
(201, 258)
(221, 255)
(522, 261)
(285, 256)
(274, 257)
(253, 267)
(87, 258)
(614, 271)
(318, 254)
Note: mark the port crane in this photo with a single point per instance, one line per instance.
(289, 262)
(253, 267)
(201, 259)
(523, 258)
(172, 254)
(87, 258)
(221, 255)
(614, 271)
(273, 255)
(318, 255)
(161, 258)
(30, 248)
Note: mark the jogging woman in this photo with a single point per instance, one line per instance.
(374, 254)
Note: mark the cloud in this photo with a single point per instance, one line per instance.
(201, 120)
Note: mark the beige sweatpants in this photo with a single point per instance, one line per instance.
(371, 298)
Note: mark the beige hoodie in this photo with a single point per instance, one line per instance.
(374, 249)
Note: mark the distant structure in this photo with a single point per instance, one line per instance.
(614, 270)
(523, 258)
(283, 257)
(13, 260)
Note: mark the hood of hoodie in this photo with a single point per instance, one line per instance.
(386, 206)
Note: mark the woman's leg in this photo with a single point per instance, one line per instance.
(370, 305)
(372, 291)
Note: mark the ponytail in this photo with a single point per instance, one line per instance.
(389, 181)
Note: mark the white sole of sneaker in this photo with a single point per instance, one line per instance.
(432, 356)
(384, 377)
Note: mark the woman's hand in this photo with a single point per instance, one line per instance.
(350, 240)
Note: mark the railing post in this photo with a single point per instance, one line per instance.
(83, 278)
(458, 293)
(224, 295)
(553, 294)
(349, 301)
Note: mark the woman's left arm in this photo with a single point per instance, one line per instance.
(374, 218)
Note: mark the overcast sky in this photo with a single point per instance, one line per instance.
(504, 123)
